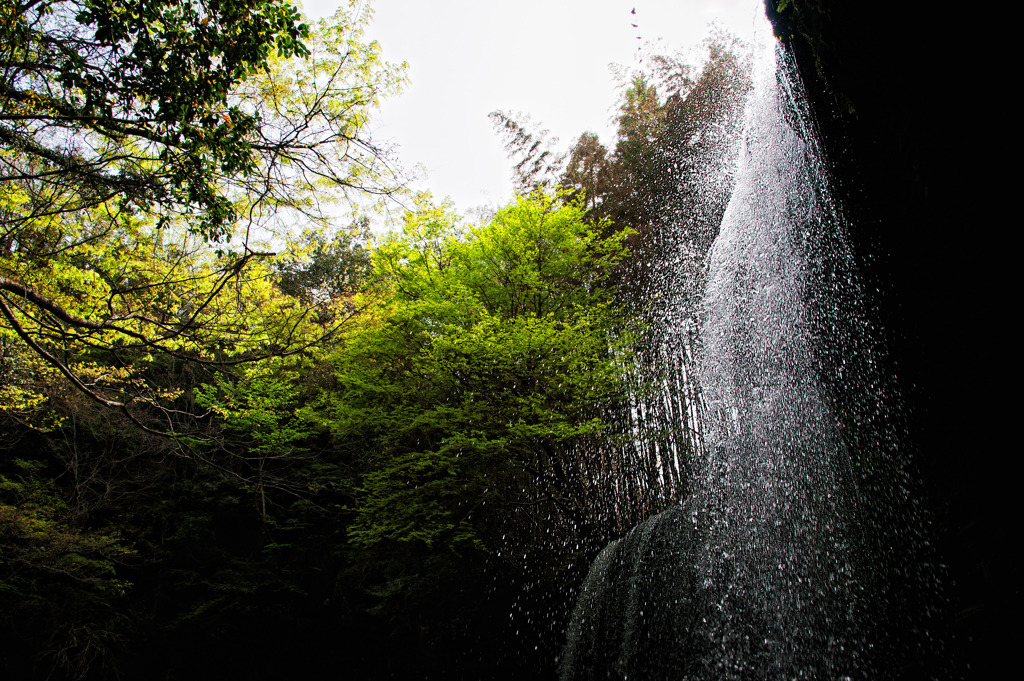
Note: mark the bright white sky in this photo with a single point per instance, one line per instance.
(546, 58)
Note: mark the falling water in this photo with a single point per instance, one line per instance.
(776, 498)
(801, 540)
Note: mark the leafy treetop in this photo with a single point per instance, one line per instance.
(489, 362)
(133, 134)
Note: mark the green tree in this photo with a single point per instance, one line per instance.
(133, 135)
(131, 101)
(667, 177)
(320, 270)
(589, 172)
(146, 148)
(674, 123)
(466, 400)
(537, 161)
(58, 576)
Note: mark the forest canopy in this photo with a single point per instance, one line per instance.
(236, 419)
(494, 353)
(145, 149)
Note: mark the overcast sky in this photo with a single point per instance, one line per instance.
(546, 58)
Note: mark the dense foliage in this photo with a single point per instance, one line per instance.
(460, 413)
(494, 356)
(132, 135)
(331, 449)
(667, 177)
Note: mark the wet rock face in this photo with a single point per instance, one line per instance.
(635, 615)
(914, 158)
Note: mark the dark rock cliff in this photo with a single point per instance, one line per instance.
(903, 93)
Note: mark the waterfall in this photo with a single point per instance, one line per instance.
(798, 554)
(776, 502)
